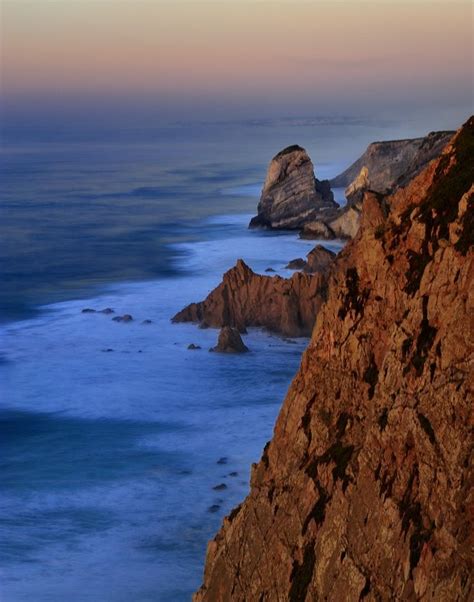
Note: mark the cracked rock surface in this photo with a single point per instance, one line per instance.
(365, 490)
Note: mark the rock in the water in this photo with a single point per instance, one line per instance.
(291, 196)
(147, 322)
(214, 508)
(319, 259)
(269, 270)
(107, 311)
(285, 305)
(88, 310)
(364, 491)
(124, 318)
(317, 230)
(230, 341)
(192, 346)
(343, 223)
(222, 460)
(296, 264)
(220, 487)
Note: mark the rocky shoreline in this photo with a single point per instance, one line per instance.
(363, 491)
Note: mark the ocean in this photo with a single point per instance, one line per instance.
(121, 450)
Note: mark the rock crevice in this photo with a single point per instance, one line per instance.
(365, 488)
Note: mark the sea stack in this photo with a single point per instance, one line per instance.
(365, 490)
(292, 196)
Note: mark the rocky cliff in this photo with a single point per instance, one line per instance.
(365, 490)
(387, 164)
(291, 195)
(284, 305)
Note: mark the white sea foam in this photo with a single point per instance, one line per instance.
(108, 499)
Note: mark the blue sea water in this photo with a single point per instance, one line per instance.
(113, 436)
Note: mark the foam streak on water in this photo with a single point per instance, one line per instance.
(112, 432)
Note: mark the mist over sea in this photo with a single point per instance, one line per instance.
(113, 436)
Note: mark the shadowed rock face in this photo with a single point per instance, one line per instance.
(230, 341)
(365, 489)
(291, 195)
(284, 305)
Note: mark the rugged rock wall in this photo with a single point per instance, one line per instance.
(365, 491)
(284, 305)
(291, 195)
(388, 162)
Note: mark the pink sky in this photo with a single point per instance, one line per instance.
(307, 53)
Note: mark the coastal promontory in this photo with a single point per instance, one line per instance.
(365, 490)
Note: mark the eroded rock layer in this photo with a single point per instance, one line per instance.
(283, 305)
(391, 163)
(365, 491)
(291, 195)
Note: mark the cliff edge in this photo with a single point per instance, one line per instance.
(365, 490)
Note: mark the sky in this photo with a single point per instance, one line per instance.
(238, 58)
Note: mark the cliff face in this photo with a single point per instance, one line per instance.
(284, 305)
(365, 491)
(387, 164)
(291, 195)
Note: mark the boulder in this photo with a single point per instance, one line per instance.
(296, 264)
(317, 230)
(230, 341)
(124, 318)
(291, 196)
(319, 259)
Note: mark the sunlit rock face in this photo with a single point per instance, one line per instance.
(284, 305)
(389, 164)
(363, 492)
(292, 196)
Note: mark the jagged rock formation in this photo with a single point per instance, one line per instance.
(365, 491)
(344, 224)
(355, 191)
(385, 165)
(284, 305)
(319, 259)
(229, 341)
(291, 195)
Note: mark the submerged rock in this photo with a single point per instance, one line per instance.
(107, 310)
(124, 318)
(220, 487)
(192, 346)
(88, 310)
(147, 322)
(230, 341)
(291, 196)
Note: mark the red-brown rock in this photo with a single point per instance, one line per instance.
(366, 490)
(284, 305)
